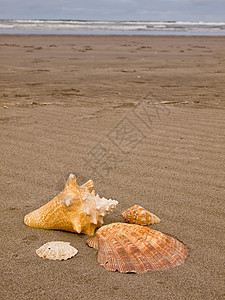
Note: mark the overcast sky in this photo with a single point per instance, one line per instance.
(179, 10)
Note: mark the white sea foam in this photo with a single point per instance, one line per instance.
(108, 27)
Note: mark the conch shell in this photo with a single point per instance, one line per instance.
(136, 214)
(57, 251)
(134, 248)
(75, 209)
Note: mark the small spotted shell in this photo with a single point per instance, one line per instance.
(57, 251)
(136, 214)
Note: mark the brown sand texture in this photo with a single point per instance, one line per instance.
(144, 117)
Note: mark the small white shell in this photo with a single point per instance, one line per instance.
(57, 250)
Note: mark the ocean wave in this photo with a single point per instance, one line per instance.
(112, 26)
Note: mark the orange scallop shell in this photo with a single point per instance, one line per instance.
(134, 248)
(136, 214)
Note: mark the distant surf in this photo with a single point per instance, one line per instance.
(111, 27)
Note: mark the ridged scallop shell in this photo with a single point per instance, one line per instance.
(136, 214)
(75, 209)
(56, 251)
(134, 248)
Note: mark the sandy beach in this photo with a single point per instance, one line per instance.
(144, 118)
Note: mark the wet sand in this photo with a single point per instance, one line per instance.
(144, 117)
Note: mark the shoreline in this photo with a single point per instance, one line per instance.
(117, 34)
(114, 27)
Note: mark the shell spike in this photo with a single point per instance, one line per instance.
(71, 182)
(89, 184)
(77, 227)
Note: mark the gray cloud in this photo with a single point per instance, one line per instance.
(185, 10)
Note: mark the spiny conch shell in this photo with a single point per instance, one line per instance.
(138, 249)
(75, 209)
(136, 214)
(57, 251)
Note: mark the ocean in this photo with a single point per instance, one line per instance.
(111, 27)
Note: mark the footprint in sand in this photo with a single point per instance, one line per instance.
(42, 70)
(87, 48)
(139, 82)
(29, 239)
(34, 83)
(13, 208)
(10, 45)
(35, 61)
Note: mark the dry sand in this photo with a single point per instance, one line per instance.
(65, 102)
